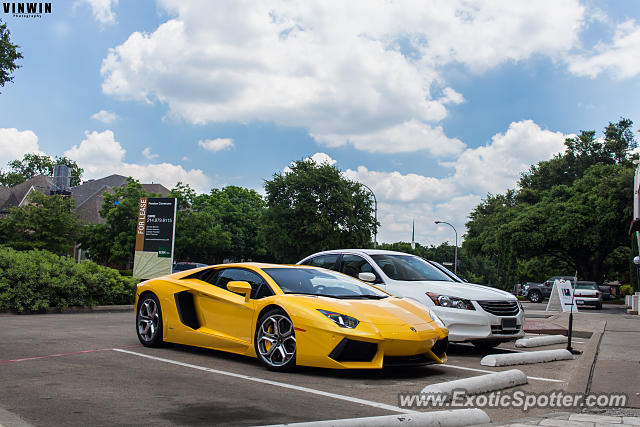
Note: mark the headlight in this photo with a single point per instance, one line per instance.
(341, 320)
(450, 302)
(436, 319)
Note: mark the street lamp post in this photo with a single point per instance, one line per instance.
(375, 213)
(455, 261)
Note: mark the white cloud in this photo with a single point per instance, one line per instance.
(101, 155)
(322, 158)
(14, 144)
(102, 10)
(148, 154)
(620, 57)
(105, 116)
(497, 166)
(359, 72)
(493, 168)
(218, 144)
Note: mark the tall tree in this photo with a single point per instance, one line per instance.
(45, 222)
(33, 164)
(9, 54)
(313, 207)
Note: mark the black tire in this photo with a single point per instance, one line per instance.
(275, 341)
(149, 320)
(486, 345)
(535, 296)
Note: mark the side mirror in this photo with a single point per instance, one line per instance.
(240, 287)
(367, 277)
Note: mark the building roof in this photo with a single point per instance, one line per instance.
(88, 195)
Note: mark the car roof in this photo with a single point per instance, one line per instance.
(364, 251)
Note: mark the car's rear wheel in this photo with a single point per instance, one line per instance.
(275, 341)
(535, 296)
(486, 345)
(149, 320)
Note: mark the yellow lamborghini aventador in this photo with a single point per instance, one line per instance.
(287, 316)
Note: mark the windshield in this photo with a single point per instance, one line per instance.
(586, 285)
(409, 268)
(320, 282)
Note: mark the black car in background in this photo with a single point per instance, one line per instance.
(537, 292)
(182, 266)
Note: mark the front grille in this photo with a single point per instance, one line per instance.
(354, 351)
(497, 330)
(440, 347)
(500, 308)
(416, 360)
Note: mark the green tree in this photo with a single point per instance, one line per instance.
(33, 164)
(9, 54)
(114, 241)
(570, 213)
(224, 224)
(313, 207)
(45, 222)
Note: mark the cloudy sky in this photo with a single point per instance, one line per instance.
(432, 104)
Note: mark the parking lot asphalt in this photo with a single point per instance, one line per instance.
(89, 368)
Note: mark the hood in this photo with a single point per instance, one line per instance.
(468, 291)
(387, 311)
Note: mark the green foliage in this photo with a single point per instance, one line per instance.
(626, 290)
(9, 54)
(114, 241)
(46, 222)
(224, 224)
(570, 213)
(33, 164)
(313, 207)
(36, 280)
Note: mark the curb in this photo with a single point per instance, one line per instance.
(9, 419)
(541, 341)
(457, 417)
(67, 310)
(480, 383)
(525, 358)
(578, 381)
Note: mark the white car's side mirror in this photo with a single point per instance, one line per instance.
(367, 277)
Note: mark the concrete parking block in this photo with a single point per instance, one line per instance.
(541, 341)
(481, 383)
(634, 421)
(458, 417)
(594, 418)
(525, 358)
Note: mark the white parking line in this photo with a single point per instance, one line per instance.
(275, 383)
(551, 380)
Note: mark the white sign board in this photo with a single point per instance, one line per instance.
(561, 298)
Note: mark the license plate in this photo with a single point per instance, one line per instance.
(509, 324)
(579, 301)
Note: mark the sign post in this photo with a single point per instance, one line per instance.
(155, 233)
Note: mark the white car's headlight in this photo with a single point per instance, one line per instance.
(450, 302)
(436, 319)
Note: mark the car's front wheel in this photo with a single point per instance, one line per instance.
(535, 296)
(275, 341)
(149, 321)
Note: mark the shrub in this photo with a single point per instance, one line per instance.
(36, 280)
(626, 290)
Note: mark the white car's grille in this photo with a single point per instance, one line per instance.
(500, 308)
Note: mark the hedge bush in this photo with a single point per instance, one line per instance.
(36, 280)
(626, 290)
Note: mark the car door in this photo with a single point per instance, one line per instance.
(225, 314)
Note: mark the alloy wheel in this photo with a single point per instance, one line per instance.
(276, 341)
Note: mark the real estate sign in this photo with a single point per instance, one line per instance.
(561, 298)
(155, 233)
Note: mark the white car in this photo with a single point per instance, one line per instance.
(478, 314)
